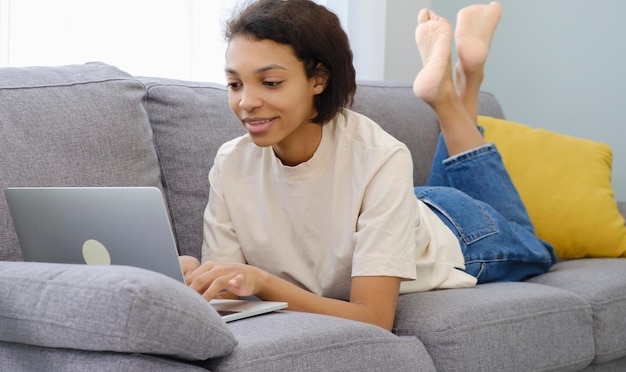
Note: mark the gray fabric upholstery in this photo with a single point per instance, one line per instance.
(27, 358)
(488, 105)
(602, 283)
(78, 125)
(310, 342)
(107, 308)
(190, 121)
(615, 365)
(500, 327)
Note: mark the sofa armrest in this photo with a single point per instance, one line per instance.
(108, 308)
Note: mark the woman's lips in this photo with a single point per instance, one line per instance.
(255, 126)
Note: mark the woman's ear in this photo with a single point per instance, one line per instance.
(320, 78)
(320, 84)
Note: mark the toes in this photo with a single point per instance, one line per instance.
(426, 15)
(423, 16)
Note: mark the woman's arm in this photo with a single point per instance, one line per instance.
(373, 299)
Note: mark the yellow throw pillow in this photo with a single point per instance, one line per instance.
(565, 183)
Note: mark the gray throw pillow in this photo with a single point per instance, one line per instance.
(108, 308)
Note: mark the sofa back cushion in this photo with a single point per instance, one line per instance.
(191, 120)
(81, 125)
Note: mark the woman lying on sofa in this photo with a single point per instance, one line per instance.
(315, 206)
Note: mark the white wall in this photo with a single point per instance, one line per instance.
(402, 60)
(369, 46)
(554, 64)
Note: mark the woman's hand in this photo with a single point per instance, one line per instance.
(188, 264)
(212, 279)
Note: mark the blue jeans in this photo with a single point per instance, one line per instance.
(474, 196)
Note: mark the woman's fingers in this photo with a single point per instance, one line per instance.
(212, 286)
(211, 280)
(188, 264)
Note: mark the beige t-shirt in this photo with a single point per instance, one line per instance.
(348, 211)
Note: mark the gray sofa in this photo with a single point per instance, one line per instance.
(94, 125)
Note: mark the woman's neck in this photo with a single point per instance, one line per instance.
(300, 146)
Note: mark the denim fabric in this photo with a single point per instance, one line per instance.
(474, 196)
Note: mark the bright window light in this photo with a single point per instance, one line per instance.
(179, 39)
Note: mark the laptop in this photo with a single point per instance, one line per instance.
(107, 226)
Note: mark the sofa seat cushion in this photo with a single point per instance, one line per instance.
(602, 283)
(292, 341)
(496, 327)
(107, 308)
(20, 357)
(81, 125)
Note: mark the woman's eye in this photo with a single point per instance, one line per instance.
(272, 84)
(233, 85)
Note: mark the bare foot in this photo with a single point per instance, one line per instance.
(474, 31)
(434, 83)
(433, 37)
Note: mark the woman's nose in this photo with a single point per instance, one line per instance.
(249, 99)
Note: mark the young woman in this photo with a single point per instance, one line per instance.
(315, 205)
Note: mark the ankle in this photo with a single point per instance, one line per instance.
(446, 98)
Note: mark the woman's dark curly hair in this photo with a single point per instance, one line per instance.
(316, 36)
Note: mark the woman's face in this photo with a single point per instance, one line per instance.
(272, 96)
